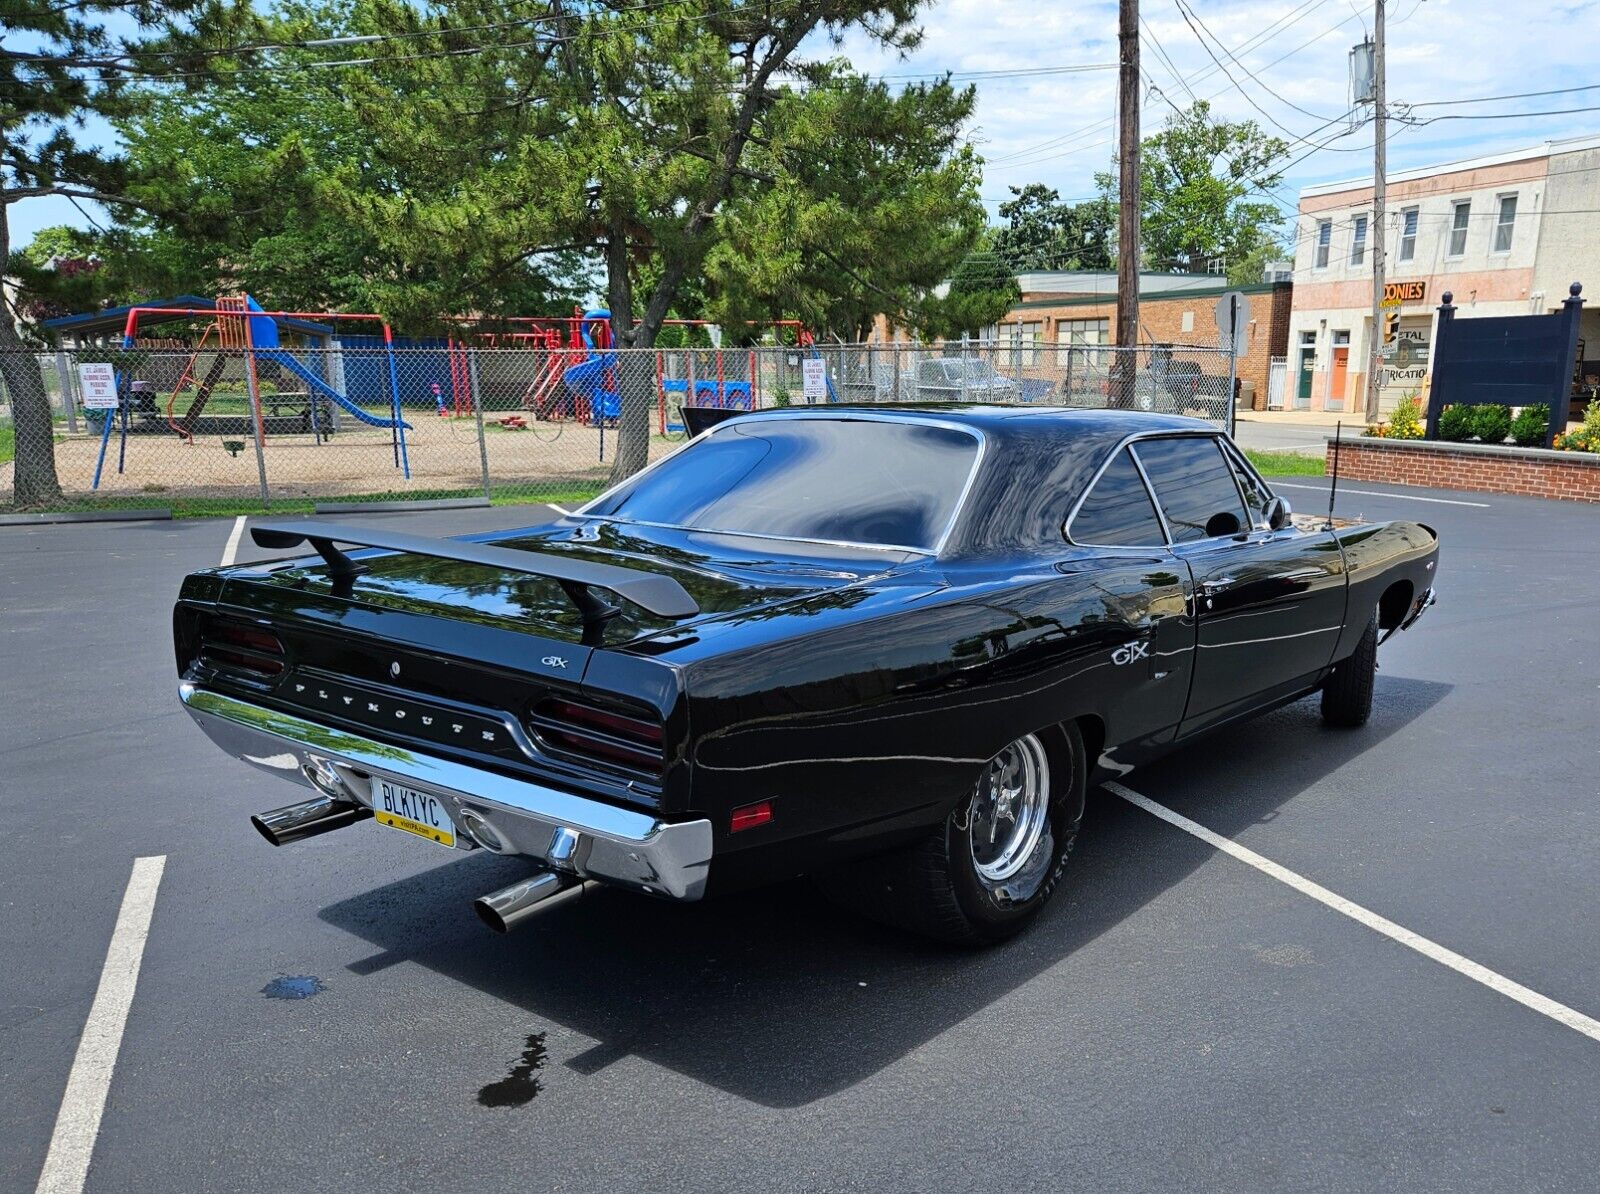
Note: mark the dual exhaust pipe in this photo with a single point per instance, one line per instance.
(509, 908)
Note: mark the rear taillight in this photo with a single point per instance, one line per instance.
(581, 729)
(241, 647)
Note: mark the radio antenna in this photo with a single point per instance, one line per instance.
(1333, 490)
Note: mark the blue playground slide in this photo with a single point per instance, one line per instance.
(587, 381)
(264, 339)
(321, 387)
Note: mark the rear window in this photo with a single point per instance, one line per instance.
(875, 482)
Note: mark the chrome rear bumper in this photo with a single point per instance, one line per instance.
(562, 831)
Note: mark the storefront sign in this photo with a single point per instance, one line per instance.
(1395, 293)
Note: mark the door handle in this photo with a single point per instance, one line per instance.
(1210, 588)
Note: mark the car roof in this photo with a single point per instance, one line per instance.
(1110, 426)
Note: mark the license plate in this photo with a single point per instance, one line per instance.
(411, 811)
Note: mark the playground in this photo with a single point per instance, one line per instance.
(220, 399)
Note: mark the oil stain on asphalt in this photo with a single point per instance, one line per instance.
(520, 1085)
(300, 986)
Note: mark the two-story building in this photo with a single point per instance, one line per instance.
(1505, 234)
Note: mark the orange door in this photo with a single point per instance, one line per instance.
(1341, 366)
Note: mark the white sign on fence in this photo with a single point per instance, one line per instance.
(98, 384)
(814, 375)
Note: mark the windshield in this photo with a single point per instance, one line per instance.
(868, 481)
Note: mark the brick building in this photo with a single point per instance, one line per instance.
(1061, 309)
(1505, 234)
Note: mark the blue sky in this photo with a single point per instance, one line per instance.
(1058, 128)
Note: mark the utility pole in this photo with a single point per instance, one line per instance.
(1128, 186)
(1379, 229)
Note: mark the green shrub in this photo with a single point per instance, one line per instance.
(780, 396)
(1456, 424)
(1405, 421)
(1491, 423)
(1528, 428)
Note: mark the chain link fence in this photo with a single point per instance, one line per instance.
(245, 430)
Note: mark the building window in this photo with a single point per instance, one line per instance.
(1324, 241)
(1506, 222)
(1458, 228)
(1408, 234)
(1075, 336)
(1358, 241)
(1186, 322)
(1023, 341)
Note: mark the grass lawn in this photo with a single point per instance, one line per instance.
(8, 443)
(1285, 464)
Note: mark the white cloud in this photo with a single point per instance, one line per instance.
(1059, 129)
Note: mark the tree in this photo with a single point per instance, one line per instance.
(250, 182)
(981, 290)
(1251, 269)
(1040, 232)
(59, 65)
(872, 203)
(637, 130)
(1204, 190)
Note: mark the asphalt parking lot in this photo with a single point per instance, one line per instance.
(1177, 1017)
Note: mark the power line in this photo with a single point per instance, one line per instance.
(1199, 20)
(1486, 99)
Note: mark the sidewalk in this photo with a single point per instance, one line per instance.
(1299, 418)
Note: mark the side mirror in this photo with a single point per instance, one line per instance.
(1222, 524)
(1278, 513)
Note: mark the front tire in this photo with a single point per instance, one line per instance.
(995, 861)
(1347, 693)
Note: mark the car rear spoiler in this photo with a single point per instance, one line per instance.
(659, 595)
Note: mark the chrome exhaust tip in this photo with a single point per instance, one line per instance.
(307, 819)
(511, 907)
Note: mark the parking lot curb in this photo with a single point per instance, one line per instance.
(380, 507)
(23, 520)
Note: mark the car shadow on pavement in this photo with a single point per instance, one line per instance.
(776, 996)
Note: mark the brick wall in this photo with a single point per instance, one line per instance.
(1161, 321)
(1529, 472)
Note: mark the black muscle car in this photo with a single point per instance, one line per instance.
(890, 647)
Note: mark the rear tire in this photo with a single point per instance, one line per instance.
(984, 873)
(1347, 693)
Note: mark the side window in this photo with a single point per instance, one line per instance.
(1117, 511)
(1255, 493)
(1194, 485)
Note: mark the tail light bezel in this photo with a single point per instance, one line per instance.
(583, 730)
(249, 651)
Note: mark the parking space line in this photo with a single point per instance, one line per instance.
(1542, 1004)
(232, 549)
(558, 509)
(66, 1165)
(1402, 497)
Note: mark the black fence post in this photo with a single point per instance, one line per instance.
(1561, 396)
(1438, 388)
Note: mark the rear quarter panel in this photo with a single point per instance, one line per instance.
(1398, 558)
(869, 723)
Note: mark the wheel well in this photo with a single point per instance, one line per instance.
(1395, 604)
(1093, 732)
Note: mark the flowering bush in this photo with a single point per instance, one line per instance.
(1587, 437)
(1405, 421)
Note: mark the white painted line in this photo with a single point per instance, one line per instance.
(66, 1165)
(232, 550)
(558, 509)
(1542, 1004)
(1403, 497)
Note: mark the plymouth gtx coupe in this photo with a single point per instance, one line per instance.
(890, 647)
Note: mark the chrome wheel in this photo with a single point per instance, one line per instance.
(1010, 811)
